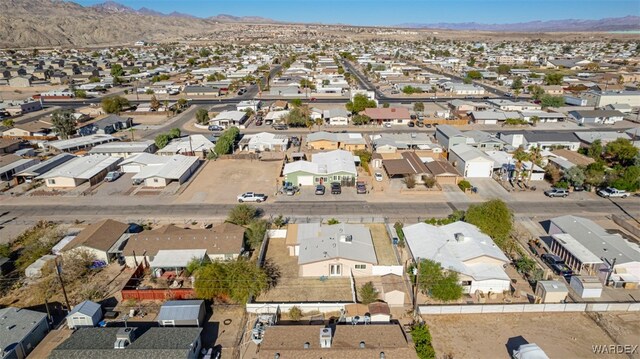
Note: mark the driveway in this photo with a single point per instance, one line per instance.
(488, 189)
(307, 194)
(119, 187)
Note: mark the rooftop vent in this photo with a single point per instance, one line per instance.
(362, 345)
(346, 238)
(325, 338)
(124, 337)
(459, 237)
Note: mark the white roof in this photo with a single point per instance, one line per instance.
(122, 147)
(276, 115)
(172, 167)
(198, 143)
(82, 167)
(267, 137)
(176, 257)
(319, 242)
(441, 245)
(145, 159)
(469, 153)
(578, 250)
(324, 163)
(235, 116)
(83, 141)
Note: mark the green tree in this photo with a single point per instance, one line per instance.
(333, 221)
(621, 151)
(553, 79)
(493, 218)
(551, 101)
(517, 83)
(295, 313)
(474, 75)
(242, 214)
(255, 232)
(418, 106)
(296, 102)
(64, 125)
(535, 91)
(464, 185)
(5, 250)
(117, 70)
(182, 103)
(368, 293)
(296, 118)
(409, 90)
(114, 104)
(149, 92)
(135, 71)
(359, 103)
(503, 69)
(447, 288)
(386, 105)
(9, 123)
(80, 93)
(595, 150)
(162, 140)
(202, 116)
(360, 120)
(575, 175)
(595, 173)
(422, 341)
(627, 179)
(429, 273)
(94, 79)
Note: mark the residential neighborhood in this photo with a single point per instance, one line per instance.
(319, 181)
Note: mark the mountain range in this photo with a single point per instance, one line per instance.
(609, 24)
(29, 23)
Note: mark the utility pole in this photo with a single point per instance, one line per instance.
(416, 272)
(64, 291)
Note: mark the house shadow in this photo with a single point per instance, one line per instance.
(108, 304)
(210, 334)
(546, 225)
(514, 343)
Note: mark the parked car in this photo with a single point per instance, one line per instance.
(112, 176)
(387, 124)
(378, 176)
(280, 127)
(137, 181)
(411, 124)
(361, 188)
(215, 128)
(290, 189)
(252, 197)
(336, 188)
(611, 192)
(579, 188)
(556, 192)
(557, 264)
(320, 190)
(419, 124)
(428, 125)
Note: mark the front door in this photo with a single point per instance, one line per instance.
(335, 269)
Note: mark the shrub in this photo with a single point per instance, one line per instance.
(409, 181)
(368, 293)
(429, 181)
(333, 221)
(464, 185)
(295, 313)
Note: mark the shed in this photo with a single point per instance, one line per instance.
(85, 314)
(587, 286)
(394, 290)
(551, 291)
(380, 312)
(182, 313)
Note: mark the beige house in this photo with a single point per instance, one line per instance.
(100, 239)
(223, 242)
(333, 141)
(73, 173)
(332, 250)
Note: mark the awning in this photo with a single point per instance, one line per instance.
(177, 258)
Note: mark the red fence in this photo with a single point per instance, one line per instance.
(157, 294)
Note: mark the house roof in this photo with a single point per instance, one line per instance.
(553, 286)
(177, 258)
(47, 165)
(319, 242)
(597, 240)
(387, 113)
(596, 113)
(265, 137)
(455, 246)
(154, 342)
(180, 310)
(122, 147)
(439, 168)
(87, 307)
(195, 143)
(449, 131)
(82, 167)
(468, 153)
(573, 157)
(100, 235)
(398, 167)
(289, 342)
(324, 163)
(226, 238)
(16, 324)
(605, 137)
(83, 141)
(346, 138)
(173, 167)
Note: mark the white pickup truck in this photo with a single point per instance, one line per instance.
(251, 197)
(611, 192)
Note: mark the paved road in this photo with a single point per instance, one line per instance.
(354, 210)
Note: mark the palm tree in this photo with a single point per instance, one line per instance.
(520, 155)
(516, 93)
(132, 130)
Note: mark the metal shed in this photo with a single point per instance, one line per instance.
(85, 314)
(182, 313)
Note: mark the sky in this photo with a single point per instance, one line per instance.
(393, 12)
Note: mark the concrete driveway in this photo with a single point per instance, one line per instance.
(307, 194)
(119, 187)
(488, 189)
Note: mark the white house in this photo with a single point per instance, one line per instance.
(80, 170)
(463, 248)
(159, 171)
(194, 145)
(226, 119)
(249, 104)
(470, 161)
(264, 141)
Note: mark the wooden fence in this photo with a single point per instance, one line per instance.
(158, 294)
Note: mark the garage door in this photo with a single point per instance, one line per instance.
(305, 180)
(481, 169)
(131, 168)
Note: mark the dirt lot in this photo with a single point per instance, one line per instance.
(222, 180)
(560, 335)
(382, 245)
(292, 288)
(149, 119)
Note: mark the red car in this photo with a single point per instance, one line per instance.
(313, 99)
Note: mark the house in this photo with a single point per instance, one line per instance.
(28, 130)
(9, 145)
(543, 116)
(483, 140)
(276, 116)
(588, 249)
(464, 89)
(332, 141)
(505, 166)
(607, 117)
(336, 116)
(586, 286)
(131, 343)
(264, 141)
(335, 341)
(512, 106)
(392, 142)
(102, 239)
(390, 115)
(470, 161)
(324, 167)
(20, 81)
(182, 313)
(564, 159)
(621, 107)
(253, 105)
(553, 90)
(449, 136)
(159, 171)
(409, 165)
(226, 119)
(79, 170)
(85, 314)
(222, 242)
(199, 90)
(544, 140)
(21, 330)
(338, 250)
(463, 248)
(194, 145)
(443, 172)
(124, 149)
(551, 291)
(279, 105)
(572, 64)
(107, 125)
(12, 164)
(589, 137)
(80, 143)
(29, 173)
(492, 117)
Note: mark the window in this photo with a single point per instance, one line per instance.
(361, 266)
(465, 283)
(335, 269)
(52, 181)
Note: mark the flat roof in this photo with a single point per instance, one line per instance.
(176, 258)
(16, 324)
(80, 142)
(120, 147)
(82, 167)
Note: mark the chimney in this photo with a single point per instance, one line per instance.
(325, 338)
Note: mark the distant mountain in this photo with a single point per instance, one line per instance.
(231, 18)
(150, 12)
(568, 25)
(113, 6)
(179, 14)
